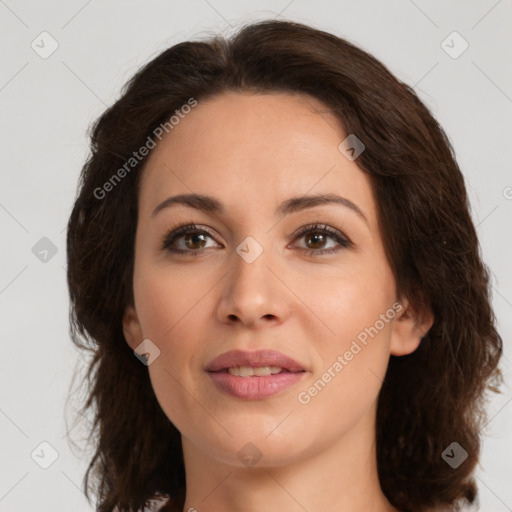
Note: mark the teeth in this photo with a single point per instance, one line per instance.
(249, 371)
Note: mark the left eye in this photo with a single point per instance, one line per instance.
(193, 239)
(318, 234)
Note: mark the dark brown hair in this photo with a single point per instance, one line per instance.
(429, 398)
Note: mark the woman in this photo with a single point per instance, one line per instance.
(272, 256)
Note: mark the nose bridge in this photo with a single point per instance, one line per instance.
(250, 263)
(252, 293)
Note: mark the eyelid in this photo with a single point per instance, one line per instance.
(319, 226)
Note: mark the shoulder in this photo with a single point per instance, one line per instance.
(157, 504)
(165, 504)
(446, 508)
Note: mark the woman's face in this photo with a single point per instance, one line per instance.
(265, 269)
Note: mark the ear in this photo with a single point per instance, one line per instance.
(132, 328)
(409, 327)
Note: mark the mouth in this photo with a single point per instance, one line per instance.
(263, 361)
(258, 371)
(254, 375)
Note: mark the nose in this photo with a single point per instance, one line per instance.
(253, 293)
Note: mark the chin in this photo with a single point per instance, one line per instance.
(252, 446)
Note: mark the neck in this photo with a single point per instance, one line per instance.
(340, 477)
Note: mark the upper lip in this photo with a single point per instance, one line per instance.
(254, 358)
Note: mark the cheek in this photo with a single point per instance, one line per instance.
(165, 299)
(346, 387)
(170, 316)
(357, 318)
(345, 302)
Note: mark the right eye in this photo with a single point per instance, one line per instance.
(186, 239)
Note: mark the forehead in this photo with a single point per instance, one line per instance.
(251, 150)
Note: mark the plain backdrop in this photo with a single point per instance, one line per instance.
(48, 100)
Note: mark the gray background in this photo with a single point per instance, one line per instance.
(48, 103)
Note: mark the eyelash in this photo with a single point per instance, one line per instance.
(343, 242)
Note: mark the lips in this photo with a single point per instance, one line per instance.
(254, 375)
(255, 359)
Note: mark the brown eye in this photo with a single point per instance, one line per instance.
(194, 240)
(186, 239)
(317, 238)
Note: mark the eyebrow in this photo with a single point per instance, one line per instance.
(209, 204)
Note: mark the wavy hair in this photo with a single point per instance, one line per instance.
(429, 398)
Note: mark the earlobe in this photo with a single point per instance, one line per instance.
(409, 327)
(131, 327)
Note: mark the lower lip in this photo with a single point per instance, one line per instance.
(255, 388)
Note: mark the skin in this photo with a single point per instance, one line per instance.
(251, 152)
